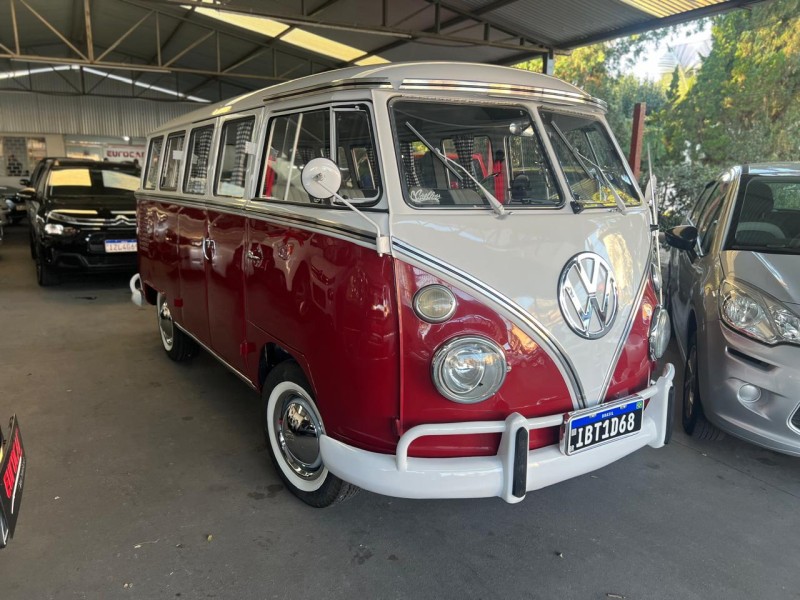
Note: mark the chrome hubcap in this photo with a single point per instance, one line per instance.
(298, 429)
(165, 324)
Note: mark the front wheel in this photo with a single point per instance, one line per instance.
(177, 345)
(45, 274)
(694, 420)
(292, 427)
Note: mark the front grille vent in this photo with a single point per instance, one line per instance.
(119, 220)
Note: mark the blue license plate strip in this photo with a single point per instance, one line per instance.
(589, 428)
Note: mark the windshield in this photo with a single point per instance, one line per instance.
(589, 160)
(496, 144)
(767, 216)
(89, 181)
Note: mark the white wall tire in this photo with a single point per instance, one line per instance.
(176, 344)
(292, 426)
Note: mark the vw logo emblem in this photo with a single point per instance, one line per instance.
(587, 295)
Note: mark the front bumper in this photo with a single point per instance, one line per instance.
(486, 476)
(772, 420)
(86, 251)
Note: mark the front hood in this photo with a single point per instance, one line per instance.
(776, 274)
(521, 258)
(105, 206)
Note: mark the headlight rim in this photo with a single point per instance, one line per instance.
(442, 352)
(659, 325)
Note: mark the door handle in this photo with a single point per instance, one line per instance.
(208, 248)
(255, 256)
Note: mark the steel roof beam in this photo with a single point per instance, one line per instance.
(474, 15)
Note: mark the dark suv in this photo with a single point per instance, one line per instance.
(82, 216)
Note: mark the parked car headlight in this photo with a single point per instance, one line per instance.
(757, 314)
(54, 228)
(659, 333)
(469, 369)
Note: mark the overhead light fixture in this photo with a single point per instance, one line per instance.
(296, 36)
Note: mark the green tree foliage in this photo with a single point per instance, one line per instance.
(742, 105)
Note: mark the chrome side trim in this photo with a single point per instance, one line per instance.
(339, 84)
(235, 371)
(503, 89)
(539, 333)
(625, 332)
(280, 216)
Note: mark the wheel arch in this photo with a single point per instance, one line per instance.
(271, 355)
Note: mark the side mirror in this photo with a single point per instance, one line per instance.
(25, 181)
(683, 237)
(321, 178)
(26, 193)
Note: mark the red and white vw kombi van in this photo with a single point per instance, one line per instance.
(440, 277)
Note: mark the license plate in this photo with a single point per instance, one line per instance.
(592, 427)
(12, 477)
(120, 245)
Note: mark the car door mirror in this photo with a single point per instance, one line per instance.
(683, 237)
(25, 181)
(26, 193)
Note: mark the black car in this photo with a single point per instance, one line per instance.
(82, 216)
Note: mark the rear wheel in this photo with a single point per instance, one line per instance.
(292, 427)
(45, 274)
(694, 420)
(176, 343)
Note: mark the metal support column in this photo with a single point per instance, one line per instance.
(637, 135)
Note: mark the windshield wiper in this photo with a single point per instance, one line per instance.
(598, 169)
(451, 165)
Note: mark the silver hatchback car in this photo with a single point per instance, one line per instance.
(733, 287)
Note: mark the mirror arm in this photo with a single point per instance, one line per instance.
(382, 243)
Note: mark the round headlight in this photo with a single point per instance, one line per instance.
(434, 303)
(659, 333)
(469, 369)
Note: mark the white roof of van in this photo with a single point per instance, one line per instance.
(437, 75)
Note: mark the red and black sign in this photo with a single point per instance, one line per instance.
(12, 477)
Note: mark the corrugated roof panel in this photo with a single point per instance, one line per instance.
(85, 114)
(666, 8)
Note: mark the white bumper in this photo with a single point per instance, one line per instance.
(485, 476)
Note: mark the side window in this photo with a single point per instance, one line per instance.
(172, 162)
(710, 215)
(694, 214)
(296, 139)
(153, 162)
(234, 157)
(196, 178)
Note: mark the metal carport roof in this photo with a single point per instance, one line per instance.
(190, 49)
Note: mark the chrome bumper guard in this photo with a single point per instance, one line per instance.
(137, 296)
(508, 474)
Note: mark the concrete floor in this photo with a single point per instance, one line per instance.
(134, 461)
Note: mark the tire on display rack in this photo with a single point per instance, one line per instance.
(292, 427)
(178, 346)
(694, 420)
